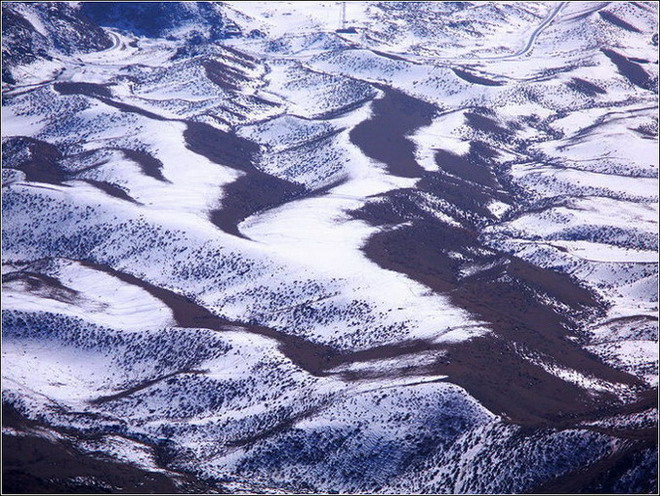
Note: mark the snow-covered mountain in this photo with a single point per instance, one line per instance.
(163, 19)
(44, 31)
(271, 247)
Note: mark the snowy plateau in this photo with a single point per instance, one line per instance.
(330, 247)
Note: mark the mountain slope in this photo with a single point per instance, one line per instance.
(244, 252)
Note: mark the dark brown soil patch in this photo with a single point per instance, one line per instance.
(512, 297)
(382, 137)
(308, 355)
(471, 167)
(103, 94)
(250, 194)
(497, 370)
(149, 164)
(36, 465)
(254, 192)
(239, 54)
(132, 109)
(474, 79)
(585, 87)
(612, 474)
(112, 190)
(223, 75)
(633, 72)
(47, 286)
(533, 312)
(42, 159)
(617, 21)
(221, 147)
(88, 89)
(43, 165)
(487, 125)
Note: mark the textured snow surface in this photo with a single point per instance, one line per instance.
(419, 255)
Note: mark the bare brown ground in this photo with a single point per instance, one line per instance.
(491, 369)
(473, 78)
(499, 370)
(632, 71)
(42, 164)
(149, 164)
(382, 137)
(253, 192)
(32, 464)
(504, 370)
(602, 476)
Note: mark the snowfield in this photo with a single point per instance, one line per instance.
(247, 251)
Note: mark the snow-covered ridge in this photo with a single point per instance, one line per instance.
(245, 251)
